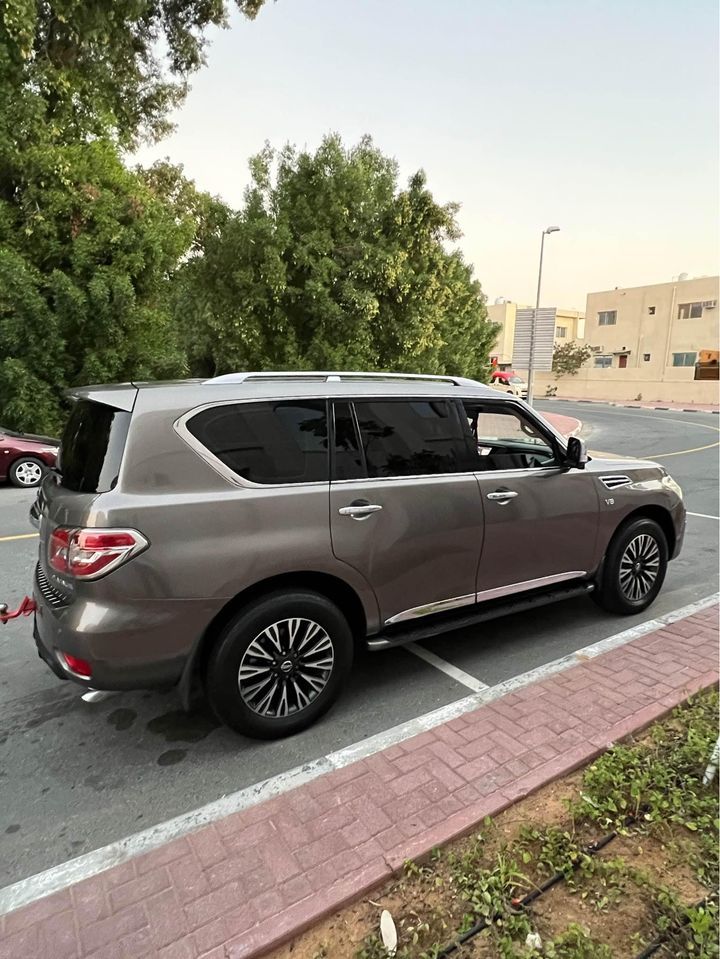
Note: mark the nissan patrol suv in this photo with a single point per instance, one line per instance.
(240, 536)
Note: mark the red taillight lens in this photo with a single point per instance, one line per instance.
(81, 667)
(91, 553)
(58, 549)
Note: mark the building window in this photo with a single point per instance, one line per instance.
(561, 332)
(607, 318)
(646, 357)
(684, 359)
(651, 310)
(603, 362)
(690, 311)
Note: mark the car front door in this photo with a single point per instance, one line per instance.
(541, 518)
(405, 509)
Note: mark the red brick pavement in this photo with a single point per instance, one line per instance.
(235, 888)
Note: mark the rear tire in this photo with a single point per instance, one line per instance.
(634, 568)
(279, 664)
(26, 472)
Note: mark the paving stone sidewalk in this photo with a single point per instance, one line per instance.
(236, 888)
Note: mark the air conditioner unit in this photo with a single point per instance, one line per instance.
(709, 304)
(597, 349)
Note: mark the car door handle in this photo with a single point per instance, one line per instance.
(360, 510)
(502, 496)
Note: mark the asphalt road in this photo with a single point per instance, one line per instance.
(76, 776)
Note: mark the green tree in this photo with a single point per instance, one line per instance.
(94, 67)
(329, 264)
(569, 357)
(85, 261)
(87, 247)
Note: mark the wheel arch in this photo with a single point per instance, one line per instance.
(652, 511)
(332, 587)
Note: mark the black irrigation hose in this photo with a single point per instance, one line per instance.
(660, 941)
(481, 924)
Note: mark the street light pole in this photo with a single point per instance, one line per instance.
(531, 359)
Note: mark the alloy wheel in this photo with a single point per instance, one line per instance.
(28, 474)
(639, 567)
(285, 667)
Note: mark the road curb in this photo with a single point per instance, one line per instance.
(241, 885)
(634, 406)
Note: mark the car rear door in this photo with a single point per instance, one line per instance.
(541, 518)
(405, 509)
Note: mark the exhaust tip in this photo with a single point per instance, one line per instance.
(97, 695)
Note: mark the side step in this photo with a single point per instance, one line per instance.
(444, 623)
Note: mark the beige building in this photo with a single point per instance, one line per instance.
(569, 325)
(646, 342)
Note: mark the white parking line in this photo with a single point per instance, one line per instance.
(704, 516)
(459, 675)
(59, 877)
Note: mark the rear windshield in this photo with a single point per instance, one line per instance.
(91, 447)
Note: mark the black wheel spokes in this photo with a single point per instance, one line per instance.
(639, 567)
(285, 667)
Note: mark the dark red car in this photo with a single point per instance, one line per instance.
(24, 457)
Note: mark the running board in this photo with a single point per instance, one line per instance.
(443, 623)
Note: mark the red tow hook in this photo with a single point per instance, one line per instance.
(26, 608)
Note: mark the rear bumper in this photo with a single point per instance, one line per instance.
(142, 645)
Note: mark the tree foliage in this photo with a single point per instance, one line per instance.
(85, 261)
(95, 67)
(87, 246)
(330, 265)
(569, 357)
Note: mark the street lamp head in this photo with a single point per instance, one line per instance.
(553, 229)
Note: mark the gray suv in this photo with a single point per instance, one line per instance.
(240, 536)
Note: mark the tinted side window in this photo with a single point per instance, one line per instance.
(347, 454)
(273, 442)
(92, 446)
(411, 437)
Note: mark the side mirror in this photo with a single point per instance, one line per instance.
(576, 456)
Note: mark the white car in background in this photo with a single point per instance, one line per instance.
(509, 382)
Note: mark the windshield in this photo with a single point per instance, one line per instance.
(515, 379)
(91, 447)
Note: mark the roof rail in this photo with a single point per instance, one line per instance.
(328, 376)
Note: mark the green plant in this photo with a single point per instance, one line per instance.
(576, 943)
(569, 357)
(657, 783)
(489, 891)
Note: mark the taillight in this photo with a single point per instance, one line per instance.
(91, 553)
(81, 667)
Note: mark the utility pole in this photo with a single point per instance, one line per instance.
(531, 360)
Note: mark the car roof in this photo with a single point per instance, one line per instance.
(280, 384)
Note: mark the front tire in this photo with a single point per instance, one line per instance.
(26, 472)
(279, 664)
(634, 568)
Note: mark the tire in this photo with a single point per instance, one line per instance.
(266, 625)
(26, 472)
(625, 588)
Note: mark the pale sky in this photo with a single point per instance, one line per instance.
(601, 116)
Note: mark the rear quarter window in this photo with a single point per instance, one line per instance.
(91, 447)
(267, 443)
